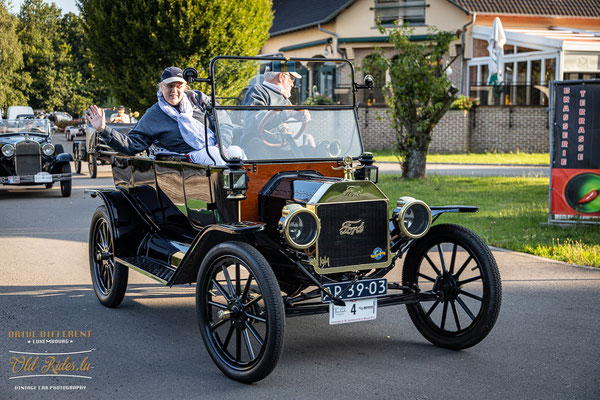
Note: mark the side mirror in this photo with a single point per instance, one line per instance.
(369, 81)
(190, 74)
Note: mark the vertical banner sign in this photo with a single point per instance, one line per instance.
(575, 150)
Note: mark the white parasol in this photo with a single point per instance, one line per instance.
(496, 48)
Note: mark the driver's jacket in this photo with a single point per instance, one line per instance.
(261, 95)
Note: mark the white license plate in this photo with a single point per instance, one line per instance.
(14, 180)
(353, 311)
(42, 177)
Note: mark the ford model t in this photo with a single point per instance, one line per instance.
(293, 225)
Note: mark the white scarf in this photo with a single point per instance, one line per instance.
(190, 128)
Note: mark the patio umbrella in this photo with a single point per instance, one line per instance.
(496, 41)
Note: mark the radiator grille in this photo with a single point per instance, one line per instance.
(28, 160)
(351, 232)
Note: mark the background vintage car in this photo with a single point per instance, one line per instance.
(72, 131)
(28, 157)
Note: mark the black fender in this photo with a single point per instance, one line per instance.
(212, 235)
(55, 166)
(129, 225)
(398, 241)
(436, 211)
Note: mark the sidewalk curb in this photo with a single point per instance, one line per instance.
(468, 164)
(499, 249)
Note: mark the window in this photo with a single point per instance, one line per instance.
(407, 11)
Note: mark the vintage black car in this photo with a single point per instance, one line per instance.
(288, 229)
(93, 150)
(28, 157)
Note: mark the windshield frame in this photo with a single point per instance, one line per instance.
(353, 106)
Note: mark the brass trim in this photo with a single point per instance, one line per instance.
(405, 203)
(315, 262)
(287, 213)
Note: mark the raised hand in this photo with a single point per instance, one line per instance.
(95, 116)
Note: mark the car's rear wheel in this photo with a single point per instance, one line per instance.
(65, 186)
(240, 311)
(454, 262)
(92, 165)
(109, 278)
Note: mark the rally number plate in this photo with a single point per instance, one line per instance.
(353, 311)
(356, 290)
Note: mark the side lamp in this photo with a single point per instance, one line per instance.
(235, 179)
(368, 172)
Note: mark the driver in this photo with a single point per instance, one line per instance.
(274, 91)
(175, 123)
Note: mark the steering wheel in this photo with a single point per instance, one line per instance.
(280, 130)
(333, 147)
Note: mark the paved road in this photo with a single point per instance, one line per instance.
(544, 345)
(473, 169)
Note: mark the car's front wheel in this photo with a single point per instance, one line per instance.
(456, 264)
(109, 278)
(66, 185)
(240, 311)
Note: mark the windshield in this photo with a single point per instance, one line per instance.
(276, 109)
(12, 126)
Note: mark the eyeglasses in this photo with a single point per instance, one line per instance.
(291, 77)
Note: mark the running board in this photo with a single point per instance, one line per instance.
(149, 267)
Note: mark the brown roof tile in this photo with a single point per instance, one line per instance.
(568, 8)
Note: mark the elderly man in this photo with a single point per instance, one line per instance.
(175, 123)
(274, 91)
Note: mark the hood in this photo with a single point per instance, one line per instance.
(308, 188)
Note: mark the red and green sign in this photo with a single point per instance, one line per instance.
(575, 183)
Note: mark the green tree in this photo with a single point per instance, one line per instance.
(83, 85)
(419, 92)
(43, 54)
(13, 81)
(133, 41)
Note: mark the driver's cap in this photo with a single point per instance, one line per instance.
(172, 74)
(284, 66)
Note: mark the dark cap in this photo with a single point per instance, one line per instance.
(284, 66)
(172, 74)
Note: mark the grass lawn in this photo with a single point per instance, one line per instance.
(510, 216)
(474, 158)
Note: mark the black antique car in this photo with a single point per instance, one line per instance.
(28, 157)
(293, 226)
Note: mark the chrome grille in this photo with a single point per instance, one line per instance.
(28, 160)
(350, 234)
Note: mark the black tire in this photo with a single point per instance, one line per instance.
(109, 278)
(65, 186)
(238, 297)
(77, 161)
(92, 166)
(470, 297)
